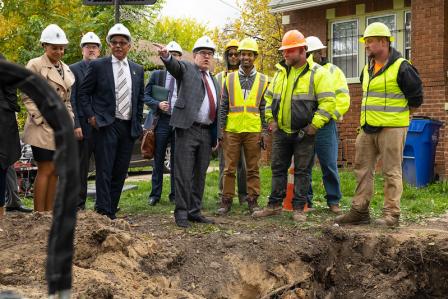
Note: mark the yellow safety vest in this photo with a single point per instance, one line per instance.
(383, 102)
(221, 78)
(244, 114)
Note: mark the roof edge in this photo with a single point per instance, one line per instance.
(280, 8)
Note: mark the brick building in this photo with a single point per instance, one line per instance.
(420, 28)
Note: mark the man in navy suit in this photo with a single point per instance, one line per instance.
(90, 47)
(164, 133)
(111, 96)
(195, 122)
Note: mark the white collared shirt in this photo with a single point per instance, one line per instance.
(203, 115)
(169, 77)
(127, 72)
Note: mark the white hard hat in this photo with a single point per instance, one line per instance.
(204, 42)
(90, 38)
(53, 34)
(173, 46)
(314, 44)
(118, 29)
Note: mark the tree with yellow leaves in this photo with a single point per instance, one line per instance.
(258, 22)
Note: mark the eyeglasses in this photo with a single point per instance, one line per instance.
(91, 47)
(205, 53)
(235, 54)
(117, 43)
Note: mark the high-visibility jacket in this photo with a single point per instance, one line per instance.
(312, 100)
(244, 113)
(340, 88)
(383, 102)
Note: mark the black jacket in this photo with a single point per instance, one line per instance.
(9, 137)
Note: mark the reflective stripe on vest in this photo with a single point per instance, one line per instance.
(383, 103)
(244, 114)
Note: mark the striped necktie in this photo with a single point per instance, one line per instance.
(123, 104)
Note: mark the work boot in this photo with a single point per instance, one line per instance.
(2, 212)
(299, 216)
(353, 217)
(335, 209)
(242, 198)
(252, 204)
(226, 205)
(387, 221)
(270, 210)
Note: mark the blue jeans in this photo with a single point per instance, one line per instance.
(326, 149)
(164, 135)
(284, 147)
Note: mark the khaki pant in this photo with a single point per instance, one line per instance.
(388, 145)
(233, 142)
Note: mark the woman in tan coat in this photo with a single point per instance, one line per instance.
(37, 131)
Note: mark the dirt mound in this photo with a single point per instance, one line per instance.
(151, 258)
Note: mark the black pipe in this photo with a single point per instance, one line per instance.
(60, 242)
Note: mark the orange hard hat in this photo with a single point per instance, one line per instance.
(293, 39)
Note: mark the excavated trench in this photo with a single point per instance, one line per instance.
(241, 260)
(339, 263)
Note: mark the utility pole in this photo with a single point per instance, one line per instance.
(116, 4)
(117, 11)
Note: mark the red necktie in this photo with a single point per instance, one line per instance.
(211, 99)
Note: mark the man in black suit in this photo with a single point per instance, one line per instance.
(90, 46)
(164, 133)
(195, 122)
(111, 96)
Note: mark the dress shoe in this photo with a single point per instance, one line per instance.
(19, 209)
(182, 223)
(152, 201)
(201, 219)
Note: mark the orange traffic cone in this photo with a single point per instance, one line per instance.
(287, 201)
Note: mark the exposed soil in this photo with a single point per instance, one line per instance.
(148, 257)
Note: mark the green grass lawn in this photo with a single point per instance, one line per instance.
(416, 204)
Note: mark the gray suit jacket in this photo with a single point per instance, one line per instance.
(190, 94)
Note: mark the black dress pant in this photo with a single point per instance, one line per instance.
(113, 150)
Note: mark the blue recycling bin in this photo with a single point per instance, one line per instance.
(420, 151)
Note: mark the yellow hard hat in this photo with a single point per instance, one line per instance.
(377, 29)
(248, 44)
(231, 43)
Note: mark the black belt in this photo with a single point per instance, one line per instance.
(300, 133)
(203, 126)
(119, 120)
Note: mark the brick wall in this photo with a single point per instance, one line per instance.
(429, 55)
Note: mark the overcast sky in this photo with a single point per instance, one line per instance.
(211, 12)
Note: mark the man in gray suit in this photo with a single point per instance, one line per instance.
(195, 122)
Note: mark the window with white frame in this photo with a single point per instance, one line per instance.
(345, 46)
(345, 50)
(389, 21)
(407, 35)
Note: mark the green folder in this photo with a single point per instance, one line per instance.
(160, 93)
